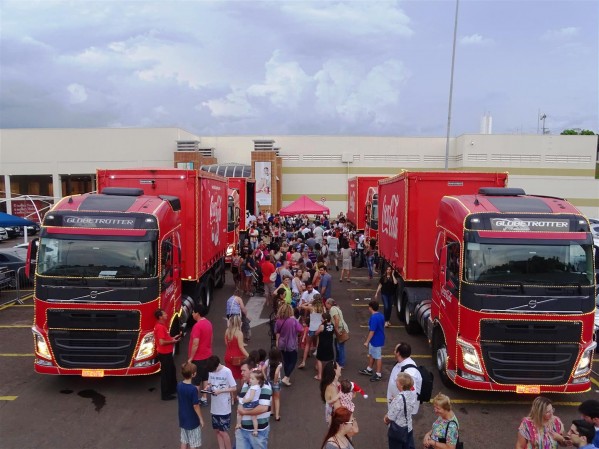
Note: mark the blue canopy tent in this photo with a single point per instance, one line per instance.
(13, 220)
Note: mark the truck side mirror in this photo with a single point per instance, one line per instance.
(31, 258)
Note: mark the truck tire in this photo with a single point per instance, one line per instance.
(439, 354)
(398, 304)
(412, 326)
(209, 294)
(220, 281)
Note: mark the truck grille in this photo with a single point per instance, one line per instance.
(93, 349)
(510, 361)
(101, 339)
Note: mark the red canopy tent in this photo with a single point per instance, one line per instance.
(304, 205)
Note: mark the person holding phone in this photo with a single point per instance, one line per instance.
(164, 349)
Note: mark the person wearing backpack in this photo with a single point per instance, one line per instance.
(405, 363)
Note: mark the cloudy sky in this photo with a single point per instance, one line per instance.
(297, 67)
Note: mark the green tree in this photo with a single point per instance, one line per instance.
(577, 132)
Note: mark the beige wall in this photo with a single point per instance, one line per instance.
(562, 166)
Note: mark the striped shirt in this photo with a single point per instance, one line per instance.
(265, 395)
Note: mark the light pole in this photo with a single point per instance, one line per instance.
(455, 33)
(542, 118)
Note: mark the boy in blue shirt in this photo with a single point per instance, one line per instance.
(375, 342)
(190, 415)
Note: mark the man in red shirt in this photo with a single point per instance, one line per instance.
(164, 350)
(267, 269)
(200, 348)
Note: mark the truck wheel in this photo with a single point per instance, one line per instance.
(440, 358)
(399, 305)
(220, 283)
(412, 326)
(209, 294)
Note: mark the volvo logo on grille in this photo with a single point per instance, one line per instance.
(532, 303)
(94, 295)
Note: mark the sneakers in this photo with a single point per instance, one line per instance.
(376, 378)
(366, 372)
(388, 324)
(203, 403)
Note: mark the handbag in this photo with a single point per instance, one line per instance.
(273, 276)
(237, 360)
(459, 444)
(397, 432)
(342, 336)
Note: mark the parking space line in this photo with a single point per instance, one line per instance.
(17, 355)
(15, 326)
(394, 326)
(595, 381)
(414, 356)
(8, 398)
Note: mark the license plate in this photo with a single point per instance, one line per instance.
(92, 373)
(528, 389)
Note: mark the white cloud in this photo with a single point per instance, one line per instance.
(355, 18)
(475, 39)
(284, 84)
(560, 34)
(234, 105)
(77, 93)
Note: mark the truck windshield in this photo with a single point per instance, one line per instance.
(567, 263)
(374, 215)
(104, 258)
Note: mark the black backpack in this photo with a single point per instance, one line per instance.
(426, 391)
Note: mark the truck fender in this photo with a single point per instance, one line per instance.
(412, 297)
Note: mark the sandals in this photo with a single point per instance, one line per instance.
(301, 365)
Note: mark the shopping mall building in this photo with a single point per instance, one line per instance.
(56, 162)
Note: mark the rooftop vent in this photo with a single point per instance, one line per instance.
(264, 145)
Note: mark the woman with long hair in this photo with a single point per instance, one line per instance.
(343, 427)
(329, 389)
(235, 348)
(387, 288)
(325, 351)
(287, 329)
(314, 310)
(346, 262)
(541, 429)
(272, 371)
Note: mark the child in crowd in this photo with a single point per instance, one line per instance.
(347, 392)
(190, 414)
(251, 399)
(261, 358)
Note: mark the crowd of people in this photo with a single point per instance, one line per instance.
(291, 261)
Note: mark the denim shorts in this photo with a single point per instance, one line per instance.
(276, 386)
(375, 351)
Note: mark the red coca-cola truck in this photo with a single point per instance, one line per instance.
(358, 209)
(106, 261)
(501, 282)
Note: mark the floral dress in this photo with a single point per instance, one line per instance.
(445, 428)
(540, 438)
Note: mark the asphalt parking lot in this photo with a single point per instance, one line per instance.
(73, 412)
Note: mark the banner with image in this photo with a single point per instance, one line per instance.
(262, 173)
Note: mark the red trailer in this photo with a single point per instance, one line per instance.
(242, 198)
(357, 189)
(151, 238)
(501, 282)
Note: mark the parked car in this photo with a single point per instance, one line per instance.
(13, 259)
(14, 231)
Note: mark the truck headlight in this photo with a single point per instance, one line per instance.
(470, 357)
(584, 365)
(146, 348)
(41, 347)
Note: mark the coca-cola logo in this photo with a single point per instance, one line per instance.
(390, 221)
(352, 202)
(215, 217)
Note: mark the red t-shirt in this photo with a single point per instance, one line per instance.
(202, 330)
(161, 332)
(267, 269)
